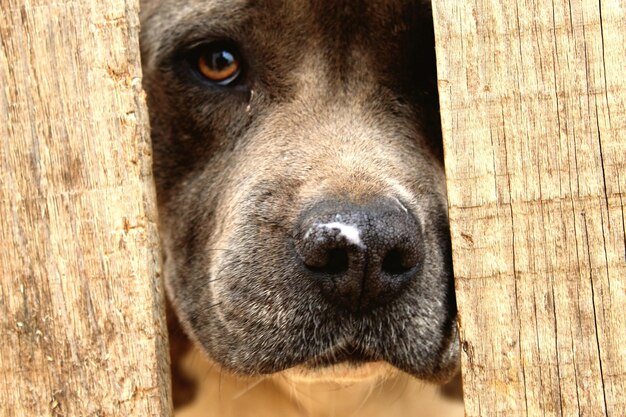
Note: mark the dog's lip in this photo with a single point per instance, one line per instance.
(348, 353)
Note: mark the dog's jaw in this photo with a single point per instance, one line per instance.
(343, 373)
(378, 392)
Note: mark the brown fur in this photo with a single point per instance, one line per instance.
(337, 103)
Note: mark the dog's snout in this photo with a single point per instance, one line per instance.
(361, 256)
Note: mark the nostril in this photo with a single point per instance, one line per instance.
(395, 262)
(336, 262)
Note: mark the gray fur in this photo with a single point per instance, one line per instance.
(338, 100)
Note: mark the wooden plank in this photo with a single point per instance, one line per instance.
(533, 103)
(81, 304)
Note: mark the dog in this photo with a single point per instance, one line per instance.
(298, 162)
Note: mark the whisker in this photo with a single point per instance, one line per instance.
(402, 391)
(294, 393)
(217, 275)
(212, 306)
(250, 387)
(367, 396)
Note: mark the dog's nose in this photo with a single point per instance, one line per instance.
(361, 256)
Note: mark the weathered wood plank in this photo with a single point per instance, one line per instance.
(81, 303)
(533, 103)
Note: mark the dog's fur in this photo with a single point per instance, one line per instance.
(337, 102)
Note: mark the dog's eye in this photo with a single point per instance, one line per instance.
(218, 63)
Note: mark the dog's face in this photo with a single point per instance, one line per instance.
(297, 157)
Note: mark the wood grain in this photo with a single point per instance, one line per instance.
(533, 98)
(81, 305)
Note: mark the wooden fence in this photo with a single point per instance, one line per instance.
(533, 106)
(81, 305)
(533, 99)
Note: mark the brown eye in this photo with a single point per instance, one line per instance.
(218, 64)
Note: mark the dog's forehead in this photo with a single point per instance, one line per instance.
(327, 9)
(333, 22)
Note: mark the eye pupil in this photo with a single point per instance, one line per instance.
(222, 60)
